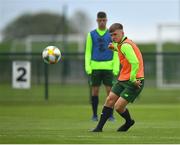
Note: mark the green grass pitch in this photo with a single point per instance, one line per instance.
(51, 123)
(25, 118)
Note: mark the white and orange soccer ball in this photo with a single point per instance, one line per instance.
(51, 54)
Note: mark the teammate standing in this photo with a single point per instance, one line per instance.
(101, 63)
(130, 81)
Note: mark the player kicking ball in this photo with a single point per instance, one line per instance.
(130, 80)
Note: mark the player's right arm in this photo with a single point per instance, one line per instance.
(88, 51)
(113, 46)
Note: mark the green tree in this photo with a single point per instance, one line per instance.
(31, 24)
(80, 21)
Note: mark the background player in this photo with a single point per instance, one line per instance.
(101, 63)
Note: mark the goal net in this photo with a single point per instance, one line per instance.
(75, 42)
(36, 43)
(168, 55)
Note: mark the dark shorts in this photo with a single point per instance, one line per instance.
(127, 90)
(101, 76)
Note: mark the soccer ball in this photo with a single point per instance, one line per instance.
(51, 54)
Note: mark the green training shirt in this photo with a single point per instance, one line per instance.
(99, 65)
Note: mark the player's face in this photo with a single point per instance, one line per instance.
(102, 23)
(117, 35)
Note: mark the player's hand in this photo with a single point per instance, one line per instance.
(89, 80)
(89, 71)
(138, 84)
(111, 46)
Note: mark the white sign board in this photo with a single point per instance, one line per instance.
(21, 74)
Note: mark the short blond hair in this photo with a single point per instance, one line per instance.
(115, 26)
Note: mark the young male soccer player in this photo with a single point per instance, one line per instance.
(130, 81)
(101, 63)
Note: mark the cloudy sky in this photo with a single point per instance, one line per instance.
(139, 17)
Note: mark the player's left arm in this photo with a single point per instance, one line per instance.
(116, 64)
(129, 53)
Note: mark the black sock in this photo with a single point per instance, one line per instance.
(106, 112)
(95, 102)
(126, 116)
(112, 113)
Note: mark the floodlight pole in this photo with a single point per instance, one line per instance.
(159, 58)
(179, 10)
(64, 43)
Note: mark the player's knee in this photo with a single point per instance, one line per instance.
(95, 91)
(109, 102)
(118, 108)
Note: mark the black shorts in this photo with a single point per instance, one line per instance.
(101, 76)
(127, 90)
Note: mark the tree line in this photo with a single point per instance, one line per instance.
(45, 23)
